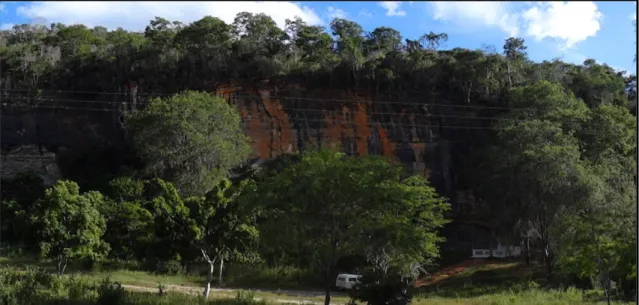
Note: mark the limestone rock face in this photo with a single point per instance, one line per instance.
(279, 118)
(28, 158)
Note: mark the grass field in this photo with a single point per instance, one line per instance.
(479, 283)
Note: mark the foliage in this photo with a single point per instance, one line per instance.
(597, 237)
(191, 139)
(68, 225)
(129, 222)
(37, 287)
(173, 229)
(336, 205)
(565, 173)
(376, 291)
(19, 195)
(225, 228)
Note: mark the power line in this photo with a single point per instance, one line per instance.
(244, 119)
(244, 95)
(341, 122)
(302, 110)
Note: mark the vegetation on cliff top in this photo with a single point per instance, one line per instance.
(170, 56)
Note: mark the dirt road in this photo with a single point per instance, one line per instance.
(295, 295)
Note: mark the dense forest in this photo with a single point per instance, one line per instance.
(547, 149)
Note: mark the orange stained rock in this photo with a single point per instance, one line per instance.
(363, 130)
(388, 149)
(282, 131)
(273, 134)
(333, 130)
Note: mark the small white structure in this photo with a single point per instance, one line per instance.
(347, 281)
(499, 252)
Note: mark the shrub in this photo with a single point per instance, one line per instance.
(110, 293)
(377, 291)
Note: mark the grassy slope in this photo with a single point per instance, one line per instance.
(487, 282)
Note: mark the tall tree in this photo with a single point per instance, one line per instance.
(514, 50)
(173, 229)
(336, 205)
(538, 163)
(191, 139)
(129, 222)
(68, 225)
(226, 229)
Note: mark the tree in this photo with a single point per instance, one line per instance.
(514, 50)
(546, 171)
(595, 239)
(226, 229)
(191, 139)
(19, 194)
(349, 43)
(68, 225)
(598, 237)
(173, 229)
(129, 222)
(537, 171)
(433, 40)
(336, 205)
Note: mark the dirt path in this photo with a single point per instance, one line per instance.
(230, 293)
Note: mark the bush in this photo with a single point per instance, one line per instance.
(172, 267)
(377, 291)
(110, 293)
(35, 287)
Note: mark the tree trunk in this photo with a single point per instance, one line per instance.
(219, 276)
(510, 79)
(608, 286)
(527, 251)
(327, 290)
(62, 265)
(209, 279)
(547, 258)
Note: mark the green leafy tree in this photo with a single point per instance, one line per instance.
(129, 222)
(68, 225)
(191, 139)
(515, 52)
(19, 195)
(226, 228)
(335, 205)
(598, 236)
(173, 230)
(537, 170)
(547, 171)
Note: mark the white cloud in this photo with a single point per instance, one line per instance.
(472, 14)
(365, 13)
(1, 7)
(567, 22)
(136, 15)
(336, 13)
(392, 8)
(6, 26)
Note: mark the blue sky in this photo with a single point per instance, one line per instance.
(573, 31)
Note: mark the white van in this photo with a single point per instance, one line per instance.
(347, 281)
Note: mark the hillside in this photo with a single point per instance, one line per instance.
(65, 88)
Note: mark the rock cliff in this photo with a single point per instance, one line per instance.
(278, 118)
